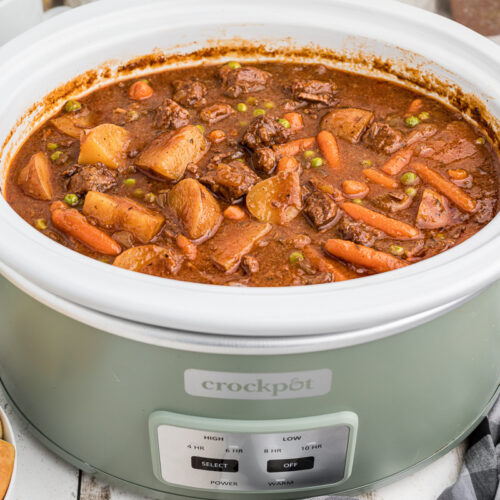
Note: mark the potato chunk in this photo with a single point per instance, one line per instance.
(72, 124)
(433, 211)
(106, 144)
(34, 178)
(7, 459)
(150, 259)
(123, 213)
(234, 241)
(196, 207)
(169, 154)
(276, 199)
(347, 123)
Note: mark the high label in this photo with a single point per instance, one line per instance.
(286, 385)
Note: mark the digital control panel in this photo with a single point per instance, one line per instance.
(252, 455)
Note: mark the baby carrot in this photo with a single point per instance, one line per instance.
(397, 161)
(295, 120)
(380, 178)
(446, 187)
(234, 213)
(188, 248)
(363, 256)
(294, 148)
(324, 264)
(329, 148)
(288, 164)
(72, 222)
(355, 188)
(391, 227)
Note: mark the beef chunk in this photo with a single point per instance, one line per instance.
(264, 159)
(314, 91)
(347, 123)
(216, 113)
(384, 138)
(250, 264)
(230, 181)
(358, 232)
(423, 132)
(171, 115)
(264, 132)
(320, 209)
(243, 80)
(190, 93)
(91, 178)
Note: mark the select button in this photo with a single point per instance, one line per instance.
(291, 464)
(214, 464)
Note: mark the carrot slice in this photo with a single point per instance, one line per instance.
(288, 164)
(328, 265)
(415, 106)
(392, 227)
(380, 178)
(397, 161)
(140, 90)
(234, 212)
(72, 222)
(329, 148)
(295, 120)
(188, 248)
(446, 187)
(295, 147)
(363, 256)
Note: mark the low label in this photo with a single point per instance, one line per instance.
(286, 385)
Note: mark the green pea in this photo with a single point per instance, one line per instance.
(411, 191)
(409, 179)
(129, 182)
(252, 101)
(317, 162)
(241, 107)
(138, 193)
(284, 122)
(296, 257)
(309, 154)
(440, 236)
(359, 201)
(244, 123)
(51, 146)
(201, 128)
(56, 155)
(366, 163)
(397, 250)
(269, 104)
(132, 115)
(41, 224)
(424, 115)
(411, 121)
(480, 140)
(150, 197)
(72, 105)
(71, 199)
(259, 112)
(233, 64)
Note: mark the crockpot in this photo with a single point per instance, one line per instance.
(189, 390)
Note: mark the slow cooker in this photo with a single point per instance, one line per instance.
(186, 390)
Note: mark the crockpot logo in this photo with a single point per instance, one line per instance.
(229, 385)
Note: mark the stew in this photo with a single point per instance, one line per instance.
(268, 174)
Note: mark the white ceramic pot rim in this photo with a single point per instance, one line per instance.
(319, 309)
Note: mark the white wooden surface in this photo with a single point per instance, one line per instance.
(43, 476)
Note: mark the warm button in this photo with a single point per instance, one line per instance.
(214, 464)
(291, 464)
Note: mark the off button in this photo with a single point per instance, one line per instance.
(291, 464)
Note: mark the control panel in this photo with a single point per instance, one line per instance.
(252, 455)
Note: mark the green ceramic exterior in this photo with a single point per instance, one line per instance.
(89, 394)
